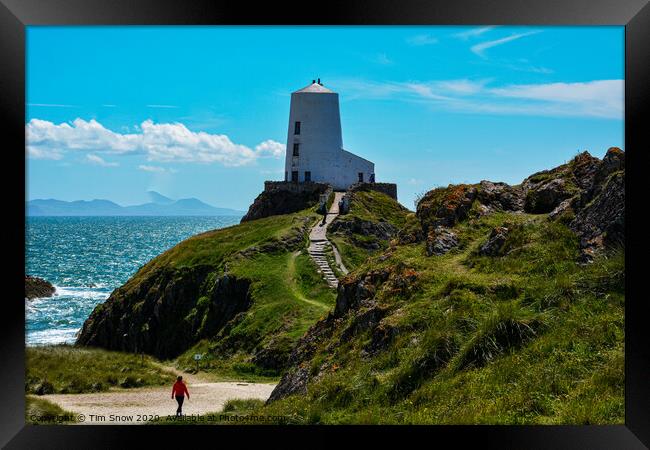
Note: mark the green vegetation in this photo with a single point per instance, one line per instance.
(213, 248)
(63, 369)
(527, 337)
(39, 411)
(377, 206)
(288, 296)
(371, 206)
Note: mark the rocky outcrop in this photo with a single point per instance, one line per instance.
(586, 193)
(494, 244)
(545, 190)
(440, 241)
(500, 196)
(597, 212)
(37, 287)
(167, 312)
(285, 198)
(380, 230)
(445, 206)
(601, 223)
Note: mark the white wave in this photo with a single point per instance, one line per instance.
(52, 336)
(81, 291)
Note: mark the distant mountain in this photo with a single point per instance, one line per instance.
(159, 199)
(159, 206)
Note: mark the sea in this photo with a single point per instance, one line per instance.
(86, 258)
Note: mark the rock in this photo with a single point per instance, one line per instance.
(364, 321)
(445, 206)
(597, 211)
(601, 223)
(383, 231)
(547, 196)
(495, 242)
(44, 388)
(37, 287)
(382, 337)
(562, 209)
(583, 168)
(545, 190)
(161, 314)
(500, 196)
(440, 241)
(613, 161)
(292, 382)
(354, 292)
(285, 198)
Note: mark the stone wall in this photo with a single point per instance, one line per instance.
(296, 188)
(389, 189)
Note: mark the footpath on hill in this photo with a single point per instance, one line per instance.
(318, 243)
(136, 406)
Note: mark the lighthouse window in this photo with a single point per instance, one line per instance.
(296, 150)
(360, 177)
(296, 128)
(294, 176)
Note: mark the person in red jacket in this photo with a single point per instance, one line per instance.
(179, 390)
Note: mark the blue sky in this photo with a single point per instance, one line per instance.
(202, 111)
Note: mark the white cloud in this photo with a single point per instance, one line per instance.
(422, 39)
(479, 49)
(163, 142)
(270, 148)
(463, 86)
(601, 97)
(597, 98)
(156, 169)
(99, 161)
(42, 153)
(464, 35)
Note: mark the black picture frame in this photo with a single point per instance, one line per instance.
(15, 15)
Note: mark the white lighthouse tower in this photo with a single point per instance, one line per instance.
(314, 144)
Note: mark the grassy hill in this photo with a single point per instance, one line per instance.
(241, 295)
(528, 337)
(489, 304)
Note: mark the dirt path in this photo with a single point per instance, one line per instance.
(291, 271)
(125, 405)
